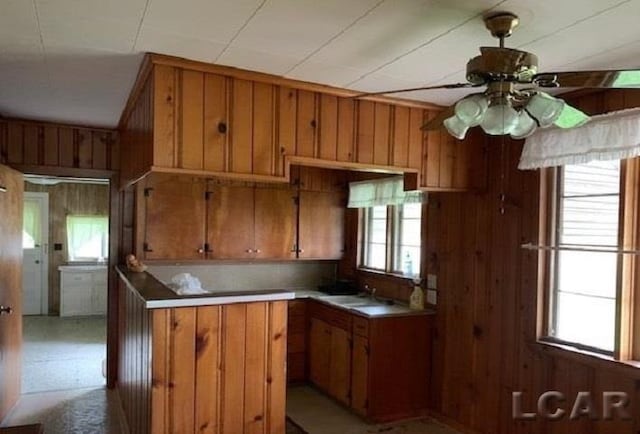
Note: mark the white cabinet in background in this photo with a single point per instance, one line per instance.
(83, 290)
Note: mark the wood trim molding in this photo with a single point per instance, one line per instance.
(101, 129)
(161, 59)
(66, 171)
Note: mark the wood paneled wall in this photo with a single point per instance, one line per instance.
(38, 144)
(485, 341)
(485, 346)
(207, 369)
(67, 199)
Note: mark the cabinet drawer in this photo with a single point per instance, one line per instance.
(296, 343)
(330, 315)
(361, 326)
(297, 308)
(77, 279)
(100, 278)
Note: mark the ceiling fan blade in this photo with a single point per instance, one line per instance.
(571, 117)
(413, 89)
(589, 79)
(435, 123)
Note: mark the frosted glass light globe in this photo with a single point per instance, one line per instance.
(471, 110)
(499, 119)
(524, 127)
(545, 108)
(456, 127)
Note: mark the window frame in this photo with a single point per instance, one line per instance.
(627, 331)
(392, 243)
(104, 246)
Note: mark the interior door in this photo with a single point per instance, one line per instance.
(11, 192)
(35, 236)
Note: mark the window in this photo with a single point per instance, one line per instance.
(391, 239)
(584, 282)
(88, 237)
(32, 226)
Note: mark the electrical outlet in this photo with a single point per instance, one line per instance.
(432, 281)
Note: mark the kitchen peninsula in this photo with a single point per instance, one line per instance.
(213, 363)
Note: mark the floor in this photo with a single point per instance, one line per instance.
(63, 353)
(317, 414)
(63, 380)
(78, 411)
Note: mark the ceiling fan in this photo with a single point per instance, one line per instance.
(512, 102)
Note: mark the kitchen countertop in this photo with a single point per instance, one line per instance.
(362, 306)
(81, 268)
(157, 295)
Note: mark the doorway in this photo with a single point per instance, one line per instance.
(66, 252)
(35, 268)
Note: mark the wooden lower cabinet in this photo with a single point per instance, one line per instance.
(377, 366)
(297, 342)
(206, 369)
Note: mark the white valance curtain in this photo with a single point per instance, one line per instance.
(612, 136)
(382, 192)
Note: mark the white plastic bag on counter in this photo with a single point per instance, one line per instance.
(186, 284)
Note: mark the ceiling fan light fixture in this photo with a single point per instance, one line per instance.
(524, 127)
(456, 127)
(545, 109)
(499, 119)
(472, 109)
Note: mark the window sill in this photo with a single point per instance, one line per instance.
(627, 367)
(387, 274)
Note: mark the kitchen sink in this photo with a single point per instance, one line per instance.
(350, 301)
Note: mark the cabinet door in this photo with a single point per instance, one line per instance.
(99, 300)
(175, 219)
(319, 353)
(275, 224)
(340, 365)
(230, 222)
(241, 127)
(360, 375)
(321, 225)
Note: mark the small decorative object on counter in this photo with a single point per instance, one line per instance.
(134, 265)
(416, 300)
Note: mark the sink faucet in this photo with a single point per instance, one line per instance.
(370, 291)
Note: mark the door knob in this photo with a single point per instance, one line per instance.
(6, 310)
(37, 261)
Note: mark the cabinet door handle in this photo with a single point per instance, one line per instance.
(249, 251)
(6, 310)
(200, 250)
(258, 251)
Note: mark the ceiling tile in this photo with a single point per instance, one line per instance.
(103, 34)
(18, 22)
(395, 28)
(295, 28)
(215, 20)
(378, 82)
(325, 73)
(158, 40)
(256, 60)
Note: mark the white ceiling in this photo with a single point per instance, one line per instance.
(75, 60)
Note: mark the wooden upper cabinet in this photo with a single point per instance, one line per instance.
(275, 223)
(241, 127)
(174, 218)
(190, 119)
(306, 124)
(287, 103)
(263, 149)
(164, 116)
(321, 225)
(346, 130)
(216, 123)
(365, 134)
(328, 128)
(382, 134)
(230, 222)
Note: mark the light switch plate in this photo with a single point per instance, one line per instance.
(432, 281)
(432, 297)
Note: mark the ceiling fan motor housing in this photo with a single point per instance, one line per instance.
(506, 64)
